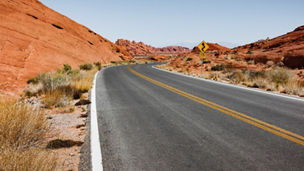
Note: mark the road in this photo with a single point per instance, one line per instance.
(155, 120)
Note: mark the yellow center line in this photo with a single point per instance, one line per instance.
(248, 119)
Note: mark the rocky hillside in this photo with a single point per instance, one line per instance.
(212, 47)
(288, 49)
(34, 38)
(283, 51)
(139, 48)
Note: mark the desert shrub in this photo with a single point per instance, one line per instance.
(213, 76)
(261, 73)
(22, 131)
(73, 72)
(61, 96)
(57, 98)
(85, 66)
(254, 74)
(98, 65)
(218, 67)
(51, 82)
(260, 83)
(280, 76)
(21, 126)
(294, 87)
(83, 82)
(59, 88)
(67, 67)
(236, 77)
(60, 71)
(33, 80)
(33, 159)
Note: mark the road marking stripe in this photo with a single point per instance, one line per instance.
(95, 141)
(253, 121)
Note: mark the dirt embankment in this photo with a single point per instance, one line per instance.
(34, 39)
(139, 48)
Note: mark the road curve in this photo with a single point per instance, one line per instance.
(154, 120)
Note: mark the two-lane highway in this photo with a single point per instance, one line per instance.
(154, 120)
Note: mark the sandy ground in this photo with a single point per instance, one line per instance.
(67, 134)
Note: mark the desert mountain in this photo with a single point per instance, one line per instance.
(287, 49)
(34, 38)
(139, 48)
(212, 47)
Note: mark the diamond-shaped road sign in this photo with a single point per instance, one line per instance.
(203, 46)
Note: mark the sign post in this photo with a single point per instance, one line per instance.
(203, 46)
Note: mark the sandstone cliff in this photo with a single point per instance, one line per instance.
(34, 38)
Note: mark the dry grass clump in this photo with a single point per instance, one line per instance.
(86, 66)
(24, 160)
(236, 77)
(21, 126)
(22, 130)
(84, 80)
(281, 76)
(59, 88)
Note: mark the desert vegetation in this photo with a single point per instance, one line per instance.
(273, 78)
(22, 131)
(24, 124)
(58, 89)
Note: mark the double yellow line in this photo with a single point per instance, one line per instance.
(250, 120)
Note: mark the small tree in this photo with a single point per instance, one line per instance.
(67, 67)
(86, 66)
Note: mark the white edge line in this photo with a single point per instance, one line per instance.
(235, 86)
(96, 156)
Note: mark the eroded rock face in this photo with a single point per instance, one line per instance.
(34, 38)
(294, 59)
(139, 48)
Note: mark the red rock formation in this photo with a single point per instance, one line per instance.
(34, 38)
(287, 49)
(139, 48)
(212, 47)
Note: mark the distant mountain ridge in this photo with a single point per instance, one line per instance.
(140, 48)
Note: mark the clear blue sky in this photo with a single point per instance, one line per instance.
(186, 22)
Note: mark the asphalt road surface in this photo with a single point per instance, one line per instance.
(155, 120)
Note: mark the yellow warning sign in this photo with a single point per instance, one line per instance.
(203, 46)
(203, 55)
